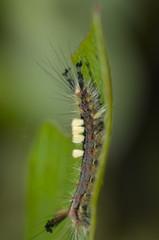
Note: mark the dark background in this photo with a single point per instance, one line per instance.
(129, 200)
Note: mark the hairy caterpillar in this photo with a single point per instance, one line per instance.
(87, 88)
(87, 130)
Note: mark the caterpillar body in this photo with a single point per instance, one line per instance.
(87, 130)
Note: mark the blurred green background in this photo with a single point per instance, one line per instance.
(129, 200)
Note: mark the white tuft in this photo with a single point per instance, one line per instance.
(77, 130)
(77, 138)
(77, 122)
(76, 153)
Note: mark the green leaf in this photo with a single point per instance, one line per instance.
(50, 162)
(92, 51)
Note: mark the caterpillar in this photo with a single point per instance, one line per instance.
(87, 130)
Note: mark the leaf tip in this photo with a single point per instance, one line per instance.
(97, 8)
